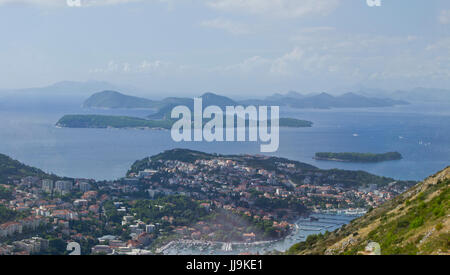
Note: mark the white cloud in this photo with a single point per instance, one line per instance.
(282, 64)
(150, 67)
(316, 29)
(354, 58)
(153, 66)
(226, 25)
(252, 65)
(112, 66)
(313, 58)
(444, 17)
(279, 8)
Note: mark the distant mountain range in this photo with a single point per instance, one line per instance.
(414, 95)
(160, 119)
(208, 99)
(326, 101)
(362, 97)
(65, 88)
(114, 100)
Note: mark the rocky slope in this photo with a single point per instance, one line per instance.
(416, 222)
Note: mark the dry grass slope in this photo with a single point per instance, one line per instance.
(416, 222)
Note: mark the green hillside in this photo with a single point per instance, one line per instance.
(415, 222)
(11, 169)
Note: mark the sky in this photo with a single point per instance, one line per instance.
(232, 47)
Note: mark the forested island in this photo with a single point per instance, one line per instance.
(102, 121)
(358, 157)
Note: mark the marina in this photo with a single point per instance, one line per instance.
(303, 227)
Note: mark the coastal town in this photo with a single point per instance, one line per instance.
(193, 197)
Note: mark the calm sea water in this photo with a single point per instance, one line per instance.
(421, 133)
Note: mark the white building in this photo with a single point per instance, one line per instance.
(147, 173)
(84, 186)
(48, 185)
(63, 187)
(10, 228)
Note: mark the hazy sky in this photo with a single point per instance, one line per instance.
(227, 46)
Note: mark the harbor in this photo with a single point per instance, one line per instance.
(315, 224)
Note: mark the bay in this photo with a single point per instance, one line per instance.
(420, 132)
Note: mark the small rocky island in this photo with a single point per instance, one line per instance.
(358, 157)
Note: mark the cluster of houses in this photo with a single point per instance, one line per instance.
(219, 182)
(29, 246)
(141, 235)
(17, 227)
(41, 207)
(228, 182)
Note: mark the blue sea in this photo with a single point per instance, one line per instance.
(420, 132)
